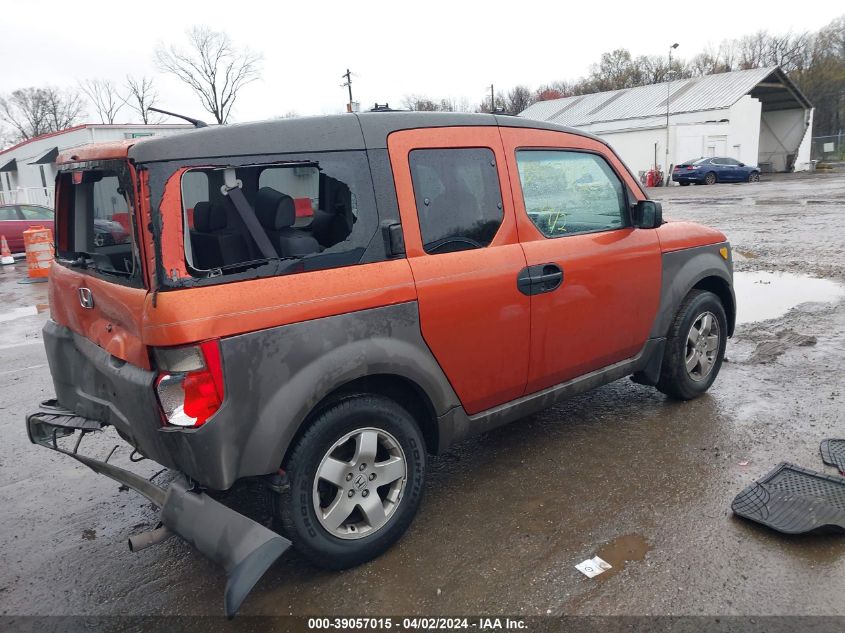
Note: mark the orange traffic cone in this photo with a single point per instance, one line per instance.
(5, 252)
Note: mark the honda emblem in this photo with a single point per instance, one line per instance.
(86, 299)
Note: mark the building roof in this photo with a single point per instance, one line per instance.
(710, 92)
(368, 130)
(85, 126)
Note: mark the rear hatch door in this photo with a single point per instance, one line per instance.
(97, 284)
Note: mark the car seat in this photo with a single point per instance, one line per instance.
(276, 212)
(213, 244)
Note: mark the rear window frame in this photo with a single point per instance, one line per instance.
(127, 178)
(160, 174)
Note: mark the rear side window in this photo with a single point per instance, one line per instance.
(569, 192)
(94, 225)
(8, 213)
(459, 202)
(317, 211)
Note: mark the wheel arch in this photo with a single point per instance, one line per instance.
(720, 287)
(401, 389)
(279, 377)
(701, 267)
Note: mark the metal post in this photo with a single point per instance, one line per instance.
(492, 100)
(666, 175)
(348, 84)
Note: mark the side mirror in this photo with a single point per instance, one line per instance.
(742, 164)
(647, 214)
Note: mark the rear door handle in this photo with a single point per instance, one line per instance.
(535, 280)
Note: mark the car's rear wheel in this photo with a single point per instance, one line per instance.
(695, 346)
(356, 480)
(710, 178)
(754, 177)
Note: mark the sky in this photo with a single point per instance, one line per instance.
(440, 49)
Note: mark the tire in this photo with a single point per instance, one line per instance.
(710, 178)
(684, 184)
(358, 538)
(677, 380)
(754, 176)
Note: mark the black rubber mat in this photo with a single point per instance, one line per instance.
(794, 500)
(833, 454)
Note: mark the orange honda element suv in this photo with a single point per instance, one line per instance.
(316, 304)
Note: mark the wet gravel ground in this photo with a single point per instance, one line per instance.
(620, 472)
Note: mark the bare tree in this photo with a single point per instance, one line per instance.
(419, 103)
(31, 112)
(213, 68)
(141, 94)
(422, 103)
(519, 98)
(104, 97)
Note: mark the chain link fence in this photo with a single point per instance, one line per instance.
(828, 148)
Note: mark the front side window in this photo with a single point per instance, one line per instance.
(459, 201)
(569, 192)
(317, 212)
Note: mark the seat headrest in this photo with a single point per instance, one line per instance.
(275, 210)
(209, 217)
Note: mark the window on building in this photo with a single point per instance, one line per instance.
(459, 201)
(568, 192)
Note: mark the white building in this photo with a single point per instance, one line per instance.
(28, 170)
(755, 116)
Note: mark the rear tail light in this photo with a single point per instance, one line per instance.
(190, 383)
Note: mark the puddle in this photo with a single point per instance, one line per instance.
(621, 551)
(767, 295)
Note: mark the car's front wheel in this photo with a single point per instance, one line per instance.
(356, 480)
(695, 346)
(754, 177)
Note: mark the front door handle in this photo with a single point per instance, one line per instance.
(535, 280)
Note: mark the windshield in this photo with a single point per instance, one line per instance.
(94, 221)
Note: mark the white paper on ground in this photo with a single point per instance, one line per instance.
(593, 567)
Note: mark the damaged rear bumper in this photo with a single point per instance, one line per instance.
(243, 547)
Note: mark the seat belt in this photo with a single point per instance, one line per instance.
(232, 189)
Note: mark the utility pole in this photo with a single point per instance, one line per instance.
(348, 84)
(492, 100)
(666, 173)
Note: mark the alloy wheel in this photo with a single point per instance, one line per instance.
(702, 347)
(359, 483)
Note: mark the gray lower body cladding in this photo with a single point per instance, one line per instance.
(274, 378)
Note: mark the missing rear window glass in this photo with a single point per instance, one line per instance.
(302, 215)
(94, 221)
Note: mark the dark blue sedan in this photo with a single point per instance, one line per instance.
(708, 171)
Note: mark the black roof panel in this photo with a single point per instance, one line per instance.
(315, 134)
